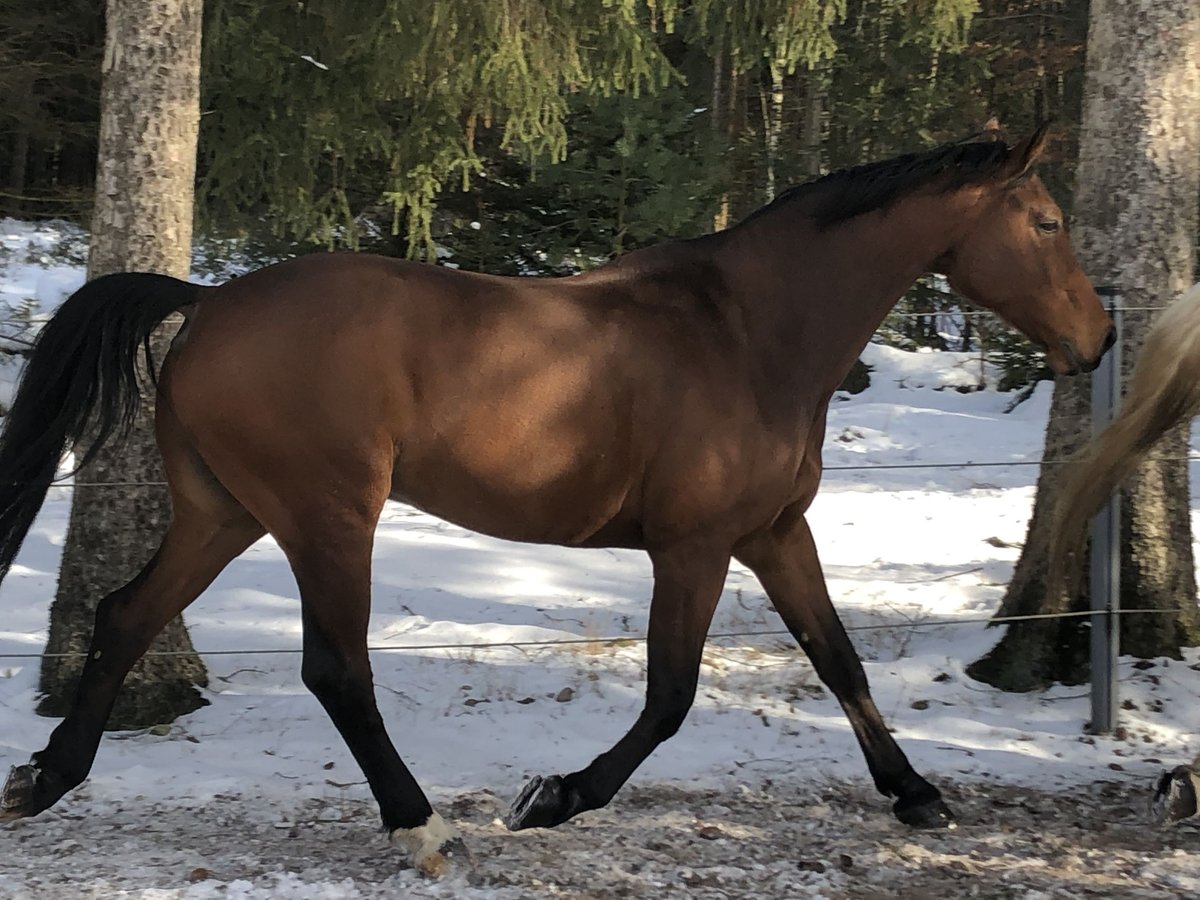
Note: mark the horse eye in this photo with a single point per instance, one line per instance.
(1050, 226)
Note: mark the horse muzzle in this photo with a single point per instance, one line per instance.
(1075, 363)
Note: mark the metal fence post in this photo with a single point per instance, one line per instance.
(1105, 570)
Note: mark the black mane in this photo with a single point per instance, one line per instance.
(847, 193)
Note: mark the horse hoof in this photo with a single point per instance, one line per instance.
(434, 848)
(452, 856)
(545, 802)
(1175, 796)
(17, 799)
(927, 813)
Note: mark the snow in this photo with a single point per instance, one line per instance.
(916, 558)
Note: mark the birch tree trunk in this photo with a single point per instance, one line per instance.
(145, 176)
(813, 118)
(1136, 219)
(772, 114)
(719, 114)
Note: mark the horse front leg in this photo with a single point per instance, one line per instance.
(687, 585)
(785, 561)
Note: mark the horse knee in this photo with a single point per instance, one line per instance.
(670, 724)
(338, 685)
(116, 626)
(670, 710)
(323, 676)
(107, 614)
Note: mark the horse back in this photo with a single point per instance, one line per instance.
(554, 410)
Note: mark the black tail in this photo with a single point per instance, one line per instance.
(82, 377)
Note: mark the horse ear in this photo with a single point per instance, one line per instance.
(990, 132)
(1024, 154)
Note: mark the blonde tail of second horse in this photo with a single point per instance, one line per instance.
(1163, 392)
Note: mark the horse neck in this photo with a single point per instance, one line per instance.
(816, 296)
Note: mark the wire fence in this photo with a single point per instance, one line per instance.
(613, 640)
(634, 638)
(985, 314)
(874, 467)
(631, 639)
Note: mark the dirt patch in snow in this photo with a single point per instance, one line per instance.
(775, 840)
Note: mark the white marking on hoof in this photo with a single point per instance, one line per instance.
(424, 845)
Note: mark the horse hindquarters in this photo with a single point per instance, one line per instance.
(318, 489)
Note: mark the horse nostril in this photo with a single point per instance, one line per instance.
(1109, 339)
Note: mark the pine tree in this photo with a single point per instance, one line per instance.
(50, 81)
(345, 103)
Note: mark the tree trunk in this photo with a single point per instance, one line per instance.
(24, 110)
(813, 123)
(142, 222)
(772, 113)
(721, 217)
(1136, 210)
(18, 168)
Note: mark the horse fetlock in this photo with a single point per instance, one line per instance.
(433, 848)
(923, 808)
(545, 802)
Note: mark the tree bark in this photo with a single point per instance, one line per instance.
(1136, 209)
(719, 113)
(18, 167)
(813, 123)
(142, 222)
(773, 124)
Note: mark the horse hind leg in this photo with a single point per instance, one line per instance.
(322, 505)
(328, 545)
(208, 529)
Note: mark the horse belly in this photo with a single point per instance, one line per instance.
(559, 515)
(552, 489)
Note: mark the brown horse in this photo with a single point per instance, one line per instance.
(673, 400)
(1163, 392)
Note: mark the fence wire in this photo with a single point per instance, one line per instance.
(877, 467)
(985, 314)
(636, 638)
(612, 640)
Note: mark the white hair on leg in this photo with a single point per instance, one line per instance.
(424, 844)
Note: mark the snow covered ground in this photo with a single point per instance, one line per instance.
(915, 558)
